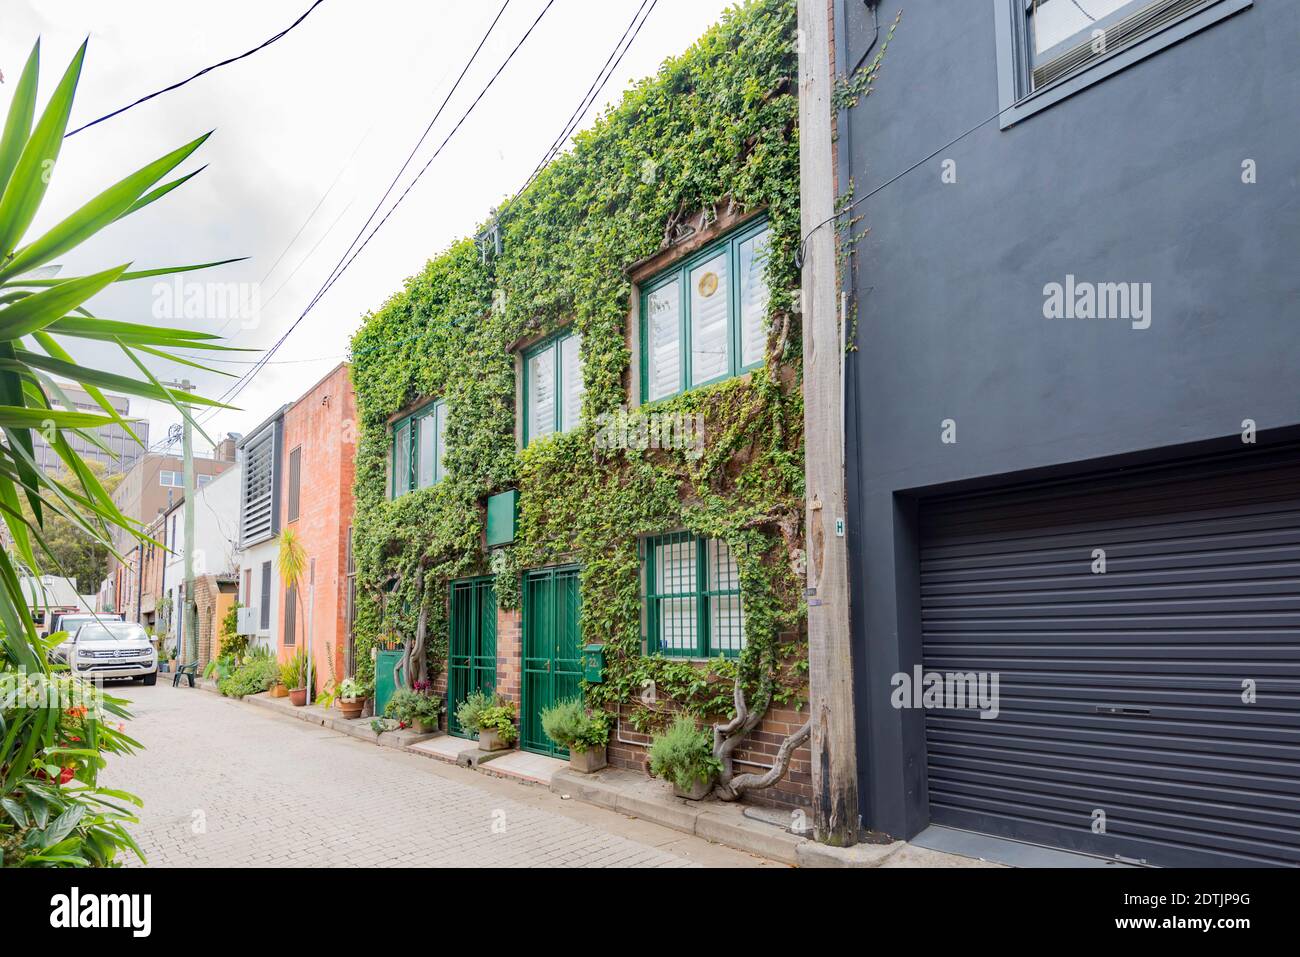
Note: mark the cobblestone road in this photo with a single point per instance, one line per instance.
(229, 785)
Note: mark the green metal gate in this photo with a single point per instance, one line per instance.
(473, 645)
(552, 651)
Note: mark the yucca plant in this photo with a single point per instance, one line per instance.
(52, 811)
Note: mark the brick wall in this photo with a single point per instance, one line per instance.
(322, 425)
(510, 655)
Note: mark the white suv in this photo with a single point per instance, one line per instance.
(70, 623)
(113, 649)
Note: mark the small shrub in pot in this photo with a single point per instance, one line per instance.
(584, 734)
(683, 755)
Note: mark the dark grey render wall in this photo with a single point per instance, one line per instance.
(1135, 179)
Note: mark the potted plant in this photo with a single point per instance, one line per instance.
(415, 709)
(352, 696)
(293, 675)
(683, 754)
(582, 733)
(494, 722)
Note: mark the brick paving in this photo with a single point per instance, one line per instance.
(229, 785)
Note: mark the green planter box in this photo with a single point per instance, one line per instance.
(385, 662)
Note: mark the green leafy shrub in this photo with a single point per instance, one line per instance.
(252, 677)
(469, 710)
(501, 719)
(571, 726)
(231, 644)
(355, 689)
(407, 706)
(293, 672)
(683, 754)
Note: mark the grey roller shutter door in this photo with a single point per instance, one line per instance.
(1122, 693)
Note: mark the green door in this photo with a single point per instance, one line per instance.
(472, 655)
(552, 651)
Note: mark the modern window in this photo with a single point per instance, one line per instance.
(290, 614)
(170, 479)
(692, 597)
(706, 319)
(419, 443)
(552, 386)
(1050, 49)
(202, 480)
(264, 615)
(295, 483)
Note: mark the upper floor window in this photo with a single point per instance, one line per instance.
(1065, 45)
(295, 483)
(419, 441)
(552, 386)
(170, 479)
(692, 597)
(706, 319)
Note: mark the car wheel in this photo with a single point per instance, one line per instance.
(151, 679)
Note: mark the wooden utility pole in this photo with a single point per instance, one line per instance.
(834, 756)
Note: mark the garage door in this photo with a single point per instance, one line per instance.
(1150, 710)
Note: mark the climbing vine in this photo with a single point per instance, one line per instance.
(713, 133)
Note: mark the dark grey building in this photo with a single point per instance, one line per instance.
(1072, 417)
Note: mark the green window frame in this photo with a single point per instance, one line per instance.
(419, 442)
(693, 607)
(696, 346)
(558, 356)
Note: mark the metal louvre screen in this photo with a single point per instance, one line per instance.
(257, 499)
(1145, 631)
(1142, 23)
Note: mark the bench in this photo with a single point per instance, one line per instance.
(187, 672)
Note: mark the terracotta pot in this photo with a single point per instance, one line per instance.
(698, 792)
(351, 710)
(279, 691)
(491, 741)
(588, 761)
(298, 697)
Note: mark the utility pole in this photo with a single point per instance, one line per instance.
(836, 816)
(190, 609)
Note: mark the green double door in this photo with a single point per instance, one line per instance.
(552, 651)
(472, 651)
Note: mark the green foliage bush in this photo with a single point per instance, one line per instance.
(253, 676)
(469, 711)
(409, 706)
(501, 719)
(683, 754)
(570, 725)
(293, 672)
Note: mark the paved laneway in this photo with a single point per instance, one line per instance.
(226, 784)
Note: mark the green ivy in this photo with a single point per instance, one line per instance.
(714, 130)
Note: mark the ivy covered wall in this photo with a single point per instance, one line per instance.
(714, 131)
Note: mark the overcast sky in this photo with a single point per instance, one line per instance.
(330, 111)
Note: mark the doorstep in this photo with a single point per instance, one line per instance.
(525, 766)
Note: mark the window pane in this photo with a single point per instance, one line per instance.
(541, 394)
(709, 297)
(427, 425)
(663, 332)
(571, 379)
(402, 460)
(1057, 20)
(440, 443)
(753, 298)
(675, 575)
(726, 616)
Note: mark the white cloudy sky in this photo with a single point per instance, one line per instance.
(329, 111)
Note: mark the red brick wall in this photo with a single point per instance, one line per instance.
(323, 425)
(510, 655)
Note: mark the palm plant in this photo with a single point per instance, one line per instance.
(46, 818)
(291, 562)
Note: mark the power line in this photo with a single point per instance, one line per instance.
(240, 385)
(593, 91)
(207, 69)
